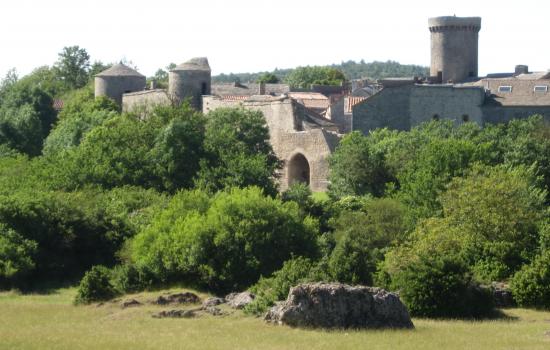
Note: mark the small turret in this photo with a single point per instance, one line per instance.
(190, 80)
(118, 80)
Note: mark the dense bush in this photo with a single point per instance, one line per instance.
(531, 285)
(16, 255)
(95, 286)
(496, 211)
(363, 237)
(73, 231)
(238, 152)
(161, 152)
(129, 278)
(275, 288)
(356, 168)
(440, 286)
(227, 242)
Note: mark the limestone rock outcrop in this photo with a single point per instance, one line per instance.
(336, 305)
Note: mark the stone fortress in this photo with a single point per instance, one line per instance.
(306, 125)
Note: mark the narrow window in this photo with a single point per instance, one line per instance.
(505, 88)
(541, 88)
(203, 89)
(465, 118)
(435, 117)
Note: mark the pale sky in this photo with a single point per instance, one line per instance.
(250, 36)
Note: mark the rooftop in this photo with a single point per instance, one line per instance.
(197, 63)
(120, 70)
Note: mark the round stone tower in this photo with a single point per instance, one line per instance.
(190, 80)
(454, 47)
(118, 80)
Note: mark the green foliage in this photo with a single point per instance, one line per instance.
(351, 69)
(225, 244)
(498, 211)
(356, 168)
(363, 237)
(95, 286)
(26, 117)
(440, 286)
(161, 152)
(268, 78)
(238, 151)
(81, 113)
(16, 254)
(304, 77)
(73, 66)
(531, 285)
(73, 231)
(270, 290)
(130, 279)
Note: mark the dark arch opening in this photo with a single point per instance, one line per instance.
(298, 170)
(204, 88)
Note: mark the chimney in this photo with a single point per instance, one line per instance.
(261, 88)
(521, 69)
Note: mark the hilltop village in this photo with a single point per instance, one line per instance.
(306, 124)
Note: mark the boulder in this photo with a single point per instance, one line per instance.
(130, 303)
(175, 314)
(239, 300)
(502, 295)
(178, 298)
(336, 305)
(210, 302)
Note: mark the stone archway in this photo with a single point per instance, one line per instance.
(298, 169)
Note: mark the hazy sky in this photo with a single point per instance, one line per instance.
(248, 36)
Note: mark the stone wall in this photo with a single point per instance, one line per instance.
(446, 102)
(144, 100)
(287, 141)
(498, 114)
(388, 108)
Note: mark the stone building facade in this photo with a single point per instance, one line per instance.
(306, 126)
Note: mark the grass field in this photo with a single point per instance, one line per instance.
(52, 322)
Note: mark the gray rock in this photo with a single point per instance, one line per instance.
(178, 298)
(502, 295)
(175, 314)
(239, 300)
(212, 302)
(215, 311)
(336, 305)
(130, 303)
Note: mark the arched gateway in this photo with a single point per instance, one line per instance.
(298, 169)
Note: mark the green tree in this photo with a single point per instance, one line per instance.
(304, 77)
(16, 254)
(73, 66)
(225, 243)
(238, 151)
(356, 168)
(268, 78)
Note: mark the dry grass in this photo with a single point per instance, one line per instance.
(52, 322)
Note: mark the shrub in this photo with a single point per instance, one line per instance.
(130, 278)
(241, 235)
(275, 288)
(440, 286)
(16, 254)
(95, 286)
(531, 285)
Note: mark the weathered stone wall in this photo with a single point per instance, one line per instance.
(446, 102)
(115, 86)
(281, 117)
(388, 108)
(144, 100)
(499, 114)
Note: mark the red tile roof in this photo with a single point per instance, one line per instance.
(352, 101)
